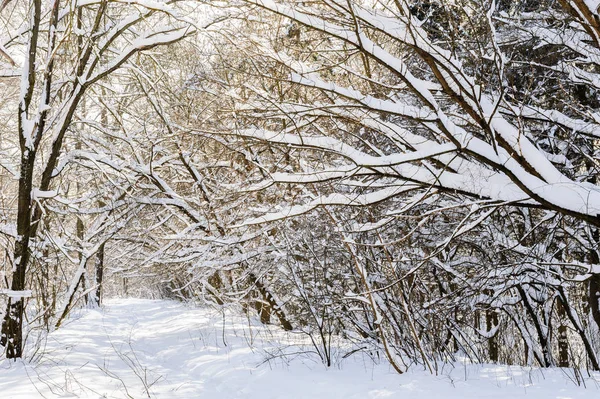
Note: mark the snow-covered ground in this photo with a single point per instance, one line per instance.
(141, 348)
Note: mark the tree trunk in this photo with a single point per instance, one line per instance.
(541, 331)
(80, 236)
(594, 298)
(579, 328)
(99, 275)
(563, 342)
(269, 305)
(491, 320)
(594, 281)
(12, 326)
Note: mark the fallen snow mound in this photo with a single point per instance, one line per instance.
(159, 349)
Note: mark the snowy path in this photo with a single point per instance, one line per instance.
(160, 349)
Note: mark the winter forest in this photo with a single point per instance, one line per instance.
(418, 180)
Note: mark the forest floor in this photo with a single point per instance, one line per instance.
(136, 348)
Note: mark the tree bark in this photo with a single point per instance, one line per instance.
(563, 342)
(491, 319)
(270, 305)
(11, 336)
(99, 275)
(594, 281)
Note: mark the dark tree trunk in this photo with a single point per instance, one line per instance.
(576, 322)
(563, 342)
(11, 336)
(491, 320)
(99, 275)
(594, 298)
(269, 305)
(12, 326)
(594, 281)
(80, 233)
(264, 311)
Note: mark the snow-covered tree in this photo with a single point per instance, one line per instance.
(477, 120)
(65, 48)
